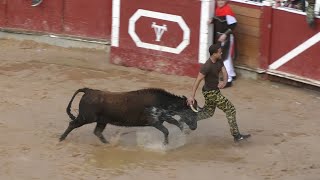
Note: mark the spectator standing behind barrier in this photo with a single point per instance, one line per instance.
(310, 13)
(224, 24)
(36, 2)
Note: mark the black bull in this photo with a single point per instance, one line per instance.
(145, 107)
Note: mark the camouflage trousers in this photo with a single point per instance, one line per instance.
(215, 99)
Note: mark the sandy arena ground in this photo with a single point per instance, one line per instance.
(38, 80)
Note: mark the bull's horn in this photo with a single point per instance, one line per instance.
(193, 109)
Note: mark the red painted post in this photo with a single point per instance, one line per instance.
(161, 36)
(266, 32)
(3, 11)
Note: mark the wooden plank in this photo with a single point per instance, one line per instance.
(250, 62)
(248, 34)
(248, 44)
(249, 21)
(255, 13)
(248, 51)
(248, 30)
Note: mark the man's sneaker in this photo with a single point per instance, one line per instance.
(36, 2)
(241, 137)
(234, 78)
(229, 84)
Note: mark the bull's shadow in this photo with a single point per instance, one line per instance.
(144, 107)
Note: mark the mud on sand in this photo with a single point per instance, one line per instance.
(38, 80)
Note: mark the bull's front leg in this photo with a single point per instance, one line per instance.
(156, 118)
(171, 120)
(175, 122)
(164, 130)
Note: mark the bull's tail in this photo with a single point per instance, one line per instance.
(84, 90)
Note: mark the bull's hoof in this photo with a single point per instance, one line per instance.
(104, 141)
(186, 131)
(181, 128)
(62, 138)
(165, 143)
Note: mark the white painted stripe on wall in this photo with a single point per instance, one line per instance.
(296, 51)
(205, 36)
(115, 23)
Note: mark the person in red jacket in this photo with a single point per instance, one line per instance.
(224, 24)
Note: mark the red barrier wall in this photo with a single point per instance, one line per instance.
(3, 15)
(88, 18)
(46, 18)
(289, 31)
(130, 53)
(267, 37)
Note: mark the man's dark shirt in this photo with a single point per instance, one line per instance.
(211, 71)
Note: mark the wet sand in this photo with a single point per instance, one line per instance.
(38, 80)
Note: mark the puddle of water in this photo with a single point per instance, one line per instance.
(152, 141)
(150, 153)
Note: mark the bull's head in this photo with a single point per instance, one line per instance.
(191, 119)
(194, 107)
(189, 114)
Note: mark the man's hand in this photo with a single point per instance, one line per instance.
(190, 101)
(196, 83)
(222, 84)
(222, 38)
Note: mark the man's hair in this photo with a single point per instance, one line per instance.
(214, 48)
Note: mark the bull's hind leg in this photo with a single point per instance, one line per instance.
(78, 122)
(164, 130)
(98, 131)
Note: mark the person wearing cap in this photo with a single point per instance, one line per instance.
(209, 71)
